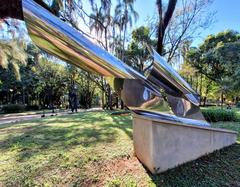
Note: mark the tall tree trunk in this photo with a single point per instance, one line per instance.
(116, 101)
(163, 22)
(106, 39)
(200, 89)
(103, 100)
(122, 105)
(23, 96)
(206, 93)
(196, 82)
(124, 38)
(221, 99)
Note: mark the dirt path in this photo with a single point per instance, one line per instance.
(17, 118)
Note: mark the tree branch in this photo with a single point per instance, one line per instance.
(163, 22)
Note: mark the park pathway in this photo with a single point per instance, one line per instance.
(4, 119)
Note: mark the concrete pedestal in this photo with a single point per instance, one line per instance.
(163, 145)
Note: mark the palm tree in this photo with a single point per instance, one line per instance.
(124, 14)
(100, 21)
(12, 53)
(96, 22)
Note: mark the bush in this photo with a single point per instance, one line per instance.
(13, 108)
(32, 107)
(214, 115)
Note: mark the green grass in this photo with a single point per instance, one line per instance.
(95, 149)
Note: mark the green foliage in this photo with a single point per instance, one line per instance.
(137, 54)
(13, 108)
(45, 81)
(52, 81)
(218, 58)
(86, 85)
(214, 115)
(32, 107)
(235, 77)
(12, 54)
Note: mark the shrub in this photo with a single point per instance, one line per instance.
(214, 115)
(13, 108)
(32, 107)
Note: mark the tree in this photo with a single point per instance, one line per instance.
(22, 91)
(199, 82)
(137, 52)
(218, 59)
(12, 54)
(181, 22)
(124, 14)
(218, 56)
(164, 19)
(100, 22)
(52, 82)
(87, 89)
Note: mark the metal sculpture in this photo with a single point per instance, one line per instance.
(158, 93)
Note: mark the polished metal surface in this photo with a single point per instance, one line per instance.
(183, 100)
(160, 93)
(163, 75)
(57, 38)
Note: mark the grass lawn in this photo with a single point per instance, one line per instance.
(95, 149)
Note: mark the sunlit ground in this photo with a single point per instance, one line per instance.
(96, 149)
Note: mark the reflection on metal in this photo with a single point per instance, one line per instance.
(160, 93)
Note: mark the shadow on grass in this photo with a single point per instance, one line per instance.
(63, 133)
(221, 168)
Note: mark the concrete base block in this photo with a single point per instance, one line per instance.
(161, 146)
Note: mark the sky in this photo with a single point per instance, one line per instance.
(227, 16)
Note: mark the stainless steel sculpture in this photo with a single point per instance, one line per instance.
(161, 93)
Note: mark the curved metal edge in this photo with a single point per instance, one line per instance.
(161, 71)
(58, 38)
(66, 43)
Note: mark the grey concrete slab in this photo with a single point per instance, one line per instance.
(161, 146)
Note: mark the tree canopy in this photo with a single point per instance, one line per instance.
(218, 57)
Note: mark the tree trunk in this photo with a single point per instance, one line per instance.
(221, 99)
(204, 100)
(116, 101)
(124, 38)
(206, 93)
(200, 89)
(163, 22)
(197, 83)
(106, 39)
(23, 96)
(103, 101)
(122, 105)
